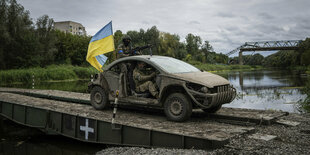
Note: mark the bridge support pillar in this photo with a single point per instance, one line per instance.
(240, 58)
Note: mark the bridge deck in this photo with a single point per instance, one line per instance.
(136, 128)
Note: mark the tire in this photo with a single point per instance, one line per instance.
(177, 107)
(99, 98)
(213, 109)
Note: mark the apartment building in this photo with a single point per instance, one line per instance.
(70, 27)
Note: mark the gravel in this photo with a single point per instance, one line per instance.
(290, 140)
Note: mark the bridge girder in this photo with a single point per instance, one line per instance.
(267, 46)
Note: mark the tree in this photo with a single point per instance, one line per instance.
(169, 44)
(71, 49)
(19, 32)
(152, 37)
(304, 51)
(193, 44)
(118, 35)
(256, 59)
(206, 49)
(3, 32)
(47, 38)
(282, 59)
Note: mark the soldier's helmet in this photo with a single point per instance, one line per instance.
(126, 39)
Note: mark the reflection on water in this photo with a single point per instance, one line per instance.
(274, 89)
(267, 90)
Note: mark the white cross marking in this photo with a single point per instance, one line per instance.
(86, 129)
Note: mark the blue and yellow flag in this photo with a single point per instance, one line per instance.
(102, 42)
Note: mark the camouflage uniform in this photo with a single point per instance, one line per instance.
(123, 51)
(143, 82)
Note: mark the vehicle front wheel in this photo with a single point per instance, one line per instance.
(213, 109)
(99, 98)
(177, 107)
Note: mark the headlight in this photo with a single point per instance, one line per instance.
(204, 89)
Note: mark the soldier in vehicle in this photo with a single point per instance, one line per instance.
(143, 81)
(125, 48)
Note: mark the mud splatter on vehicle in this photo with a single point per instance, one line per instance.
(182, 87)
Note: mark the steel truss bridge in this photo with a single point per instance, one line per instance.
(265, 46)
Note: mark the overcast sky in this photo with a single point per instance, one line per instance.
(227, 24)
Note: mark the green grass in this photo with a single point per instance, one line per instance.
(305, 104)
(50, 73)
(68, 72)
(213, 67)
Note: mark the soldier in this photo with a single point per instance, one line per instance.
(143, 82)
(124, 51)
(124, 48)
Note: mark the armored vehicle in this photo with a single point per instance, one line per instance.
(181, 86)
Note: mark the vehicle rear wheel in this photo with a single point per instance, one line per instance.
(99, 98)
(213, 109)
(177, 107)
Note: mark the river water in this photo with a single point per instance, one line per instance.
(267, 90)
(263, 89)
(260, 89)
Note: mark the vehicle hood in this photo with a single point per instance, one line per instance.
(204, 78)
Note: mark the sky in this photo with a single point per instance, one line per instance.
(226, 24)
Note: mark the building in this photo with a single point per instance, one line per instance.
(70, 27)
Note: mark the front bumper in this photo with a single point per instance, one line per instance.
(221, 95)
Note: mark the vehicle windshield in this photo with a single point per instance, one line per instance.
(173, 66)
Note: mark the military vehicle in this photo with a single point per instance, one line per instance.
(182, 87)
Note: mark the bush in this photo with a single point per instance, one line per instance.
(51, 73)
(218, 67)
(305, 104)
(84, 73)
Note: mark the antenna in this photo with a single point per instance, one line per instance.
(151, 51)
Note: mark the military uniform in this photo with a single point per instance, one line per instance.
(143, 83)
(123, 50)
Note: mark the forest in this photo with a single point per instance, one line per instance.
(28, 43)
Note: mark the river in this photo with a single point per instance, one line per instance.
(267, 90)
(260, 89)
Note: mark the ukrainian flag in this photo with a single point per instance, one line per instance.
(102, 42)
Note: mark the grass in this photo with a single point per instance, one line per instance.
(50, 73)
(305, 104)
(69, 73)
(220, 67)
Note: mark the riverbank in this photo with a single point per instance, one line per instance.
(222, 67)
(50, 73)
(71, 73)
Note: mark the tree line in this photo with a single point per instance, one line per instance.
(26, 43)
